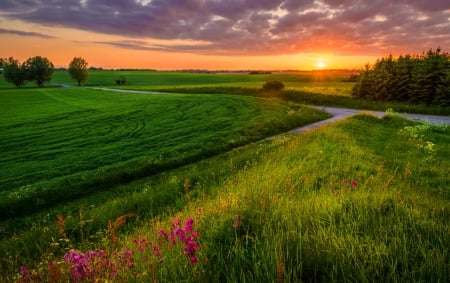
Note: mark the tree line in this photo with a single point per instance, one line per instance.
(420, 79)
(40, 70)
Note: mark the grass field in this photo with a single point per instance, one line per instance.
(361, 200)
(151, 188)
(86, 140)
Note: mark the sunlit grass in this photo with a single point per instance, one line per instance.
(359, 200)
(144, 80)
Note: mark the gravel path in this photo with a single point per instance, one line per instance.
(342, 113)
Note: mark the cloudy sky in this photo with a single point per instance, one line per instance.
(222, 34)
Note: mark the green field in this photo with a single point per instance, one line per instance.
(97, 175)
(361, 200)
(147, 80)
(88, 139)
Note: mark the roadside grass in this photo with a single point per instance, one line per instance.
(361, 200)
(60, 144)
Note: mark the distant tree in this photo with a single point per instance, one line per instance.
(14, 72)
(78, 70)
(40, 69)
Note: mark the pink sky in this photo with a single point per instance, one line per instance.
(222, 34)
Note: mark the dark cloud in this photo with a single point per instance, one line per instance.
(251, 26)
(24, 33)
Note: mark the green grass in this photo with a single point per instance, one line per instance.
(298, 218)
(163, 78)
(85, 140)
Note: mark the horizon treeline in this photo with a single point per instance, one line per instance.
(420, 79)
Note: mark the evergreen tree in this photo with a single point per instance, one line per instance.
(420, 79)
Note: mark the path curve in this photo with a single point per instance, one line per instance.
(343, 113)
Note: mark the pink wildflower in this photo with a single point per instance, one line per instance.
(193, 260)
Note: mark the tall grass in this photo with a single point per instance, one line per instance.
(362, 200)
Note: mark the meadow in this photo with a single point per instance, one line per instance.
(103, 186)
(343, 203)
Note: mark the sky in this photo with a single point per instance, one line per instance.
(222, 34)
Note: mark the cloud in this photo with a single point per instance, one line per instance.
(24, 33)
(251, 27)
(141, 45)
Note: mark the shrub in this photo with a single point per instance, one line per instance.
(273, 86)
(121, 80)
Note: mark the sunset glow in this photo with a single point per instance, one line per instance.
(206, 34)
(320, 64)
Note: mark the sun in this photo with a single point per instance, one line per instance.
(320, 63)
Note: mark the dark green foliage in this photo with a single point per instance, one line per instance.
(121, 80)
(14, 72)
(39, 69)
(78, 70)
(420, 79)
(273, 86)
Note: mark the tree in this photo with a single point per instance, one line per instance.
(14, 72)
(78, 70)
(421, 79)
(40, 69)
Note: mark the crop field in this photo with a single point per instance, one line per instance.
(110, 186)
